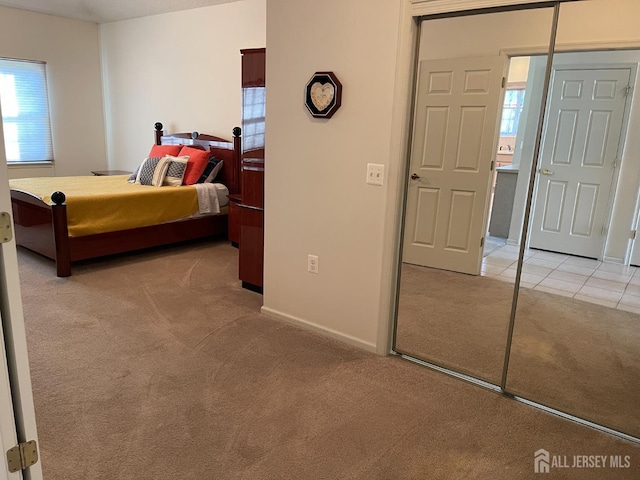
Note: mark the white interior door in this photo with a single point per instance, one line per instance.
(454, 144)
(8, 435)
(578, 160)
(17, 415)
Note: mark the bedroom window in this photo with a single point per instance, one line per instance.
(25, 111)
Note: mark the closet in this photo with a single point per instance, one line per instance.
(544, 309)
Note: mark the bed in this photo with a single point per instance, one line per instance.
(42, 222)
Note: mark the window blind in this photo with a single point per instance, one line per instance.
(25, 111)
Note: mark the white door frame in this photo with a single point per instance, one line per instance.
(15, 364)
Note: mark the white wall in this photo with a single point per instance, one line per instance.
(316, 199)
(181, 69)
(71, 50)
(492, 34)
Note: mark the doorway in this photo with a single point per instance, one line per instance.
(582, 146)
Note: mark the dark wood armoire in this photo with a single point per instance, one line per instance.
(246, 210)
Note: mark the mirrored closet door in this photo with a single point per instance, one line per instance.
(576, 337)
(460, 243)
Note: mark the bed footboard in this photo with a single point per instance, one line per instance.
(42, 228)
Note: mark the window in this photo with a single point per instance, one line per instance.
(25, 111)
(513, 102)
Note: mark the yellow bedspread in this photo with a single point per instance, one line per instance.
(98, 204)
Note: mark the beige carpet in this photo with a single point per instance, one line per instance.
(458, 321)
(159, 366)
(574, 356)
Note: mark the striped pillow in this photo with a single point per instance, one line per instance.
(211, 170)
(152, 171)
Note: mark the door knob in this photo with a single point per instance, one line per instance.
(546, 171)
(414, 176)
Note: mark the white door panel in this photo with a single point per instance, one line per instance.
(14, 346)
(455, 130)
(577, 161)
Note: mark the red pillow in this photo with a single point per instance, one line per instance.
(162, 150)
(198, 160)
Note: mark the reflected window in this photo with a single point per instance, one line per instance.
(254, 102)
(511, 110)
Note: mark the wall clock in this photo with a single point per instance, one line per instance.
(323, 94)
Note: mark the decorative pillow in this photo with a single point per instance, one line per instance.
(152, 171)
(175, 172)
(132, 178)
(162, 150)
(211, 170)
(198, 160)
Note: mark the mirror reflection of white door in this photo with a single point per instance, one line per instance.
(456, 121)
(578, 159)
(17, 412)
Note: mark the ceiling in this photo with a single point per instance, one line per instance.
(104, 11)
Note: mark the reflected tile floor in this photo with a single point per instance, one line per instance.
(609, 284)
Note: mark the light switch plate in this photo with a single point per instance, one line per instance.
(375, 174)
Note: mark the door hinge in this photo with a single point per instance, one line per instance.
(22, 456)
(627, 91)
(6, 227)
(504, 82)
(633, 235)
(615, 162)
(603, 231)
(492, 164)
(482, 242)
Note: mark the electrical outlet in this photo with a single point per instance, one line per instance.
(375, 174)
(312, 264)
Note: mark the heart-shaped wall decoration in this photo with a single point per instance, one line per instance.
(322, 95)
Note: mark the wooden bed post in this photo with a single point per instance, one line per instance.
(61, 234)
(158, 126)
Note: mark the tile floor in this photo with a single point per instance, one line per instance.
(608, 284)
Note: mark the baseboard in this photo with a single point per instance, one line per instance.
(327, 332)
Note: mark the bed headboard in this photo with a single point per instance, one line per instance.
(227, 151)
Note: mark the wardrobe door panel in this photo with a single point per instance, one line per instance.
(456, 277)
(576, 341)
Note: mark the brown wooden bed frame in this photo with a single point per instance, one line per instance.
(42, 228)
